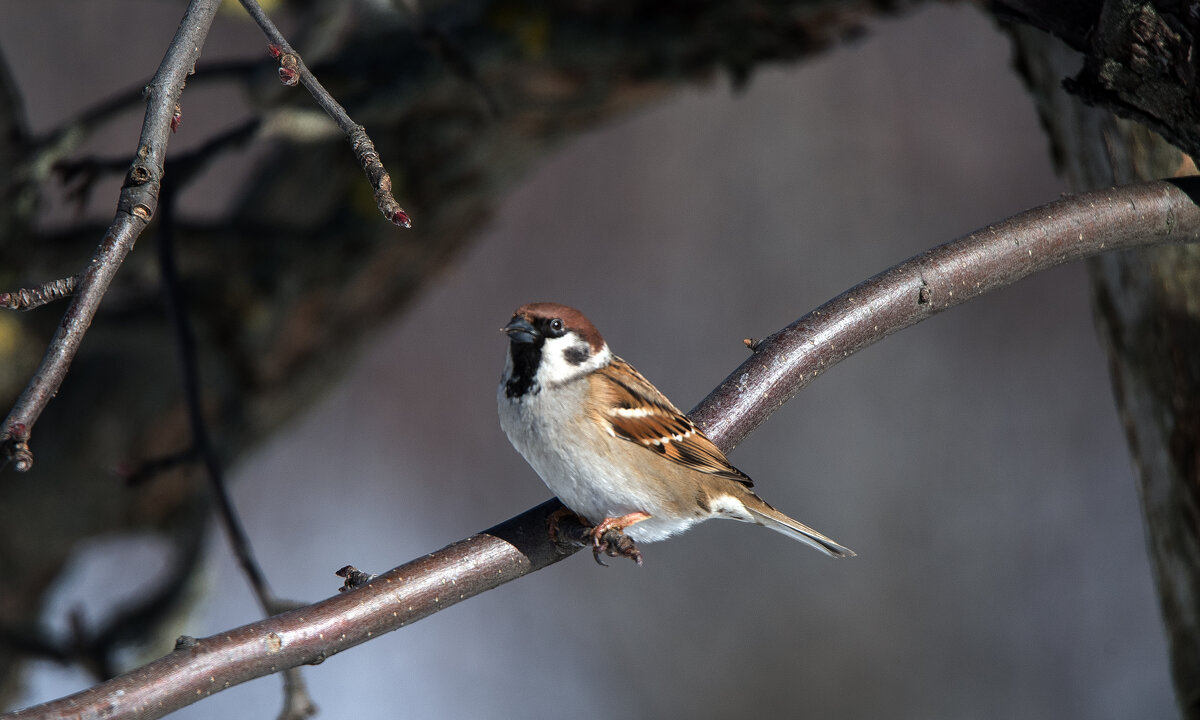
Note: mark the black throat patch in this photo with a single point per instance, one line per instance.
(525, 360)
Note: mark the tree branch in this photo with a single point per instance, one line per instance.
(292, 70)
(56, 144)
(137, 203)
(79, 175)
(1072, 228)
(48, 292)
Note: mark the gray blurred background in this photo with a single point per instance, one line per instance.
(974, 462)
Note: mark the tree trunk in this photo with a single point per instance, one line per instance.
(1146, 302)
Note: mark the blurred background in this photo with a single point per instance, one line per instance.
(974, 462)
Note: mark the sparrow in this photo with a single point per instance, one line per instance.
(611, 446)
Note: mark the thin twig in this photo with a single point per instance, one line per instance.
(65, 138)
(1072, 228)
(459, 62)
(292, 70)
(135, 475)
(297, 703)
(452, 53)
(82, 173)
(201, 440)
(49, 151)
(133, 623)
(135, 208)
(30, 298)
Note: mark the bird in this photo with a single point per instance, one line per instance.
(614, 450)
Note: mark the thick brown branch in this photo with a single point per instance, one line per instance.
(1119, 218)
(137, 203)
(292, 70)
(1073, 228)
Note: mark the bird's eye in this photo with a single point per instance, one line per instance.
(556, 326)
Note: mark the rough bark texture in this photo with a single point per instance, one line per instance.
(1141, 64)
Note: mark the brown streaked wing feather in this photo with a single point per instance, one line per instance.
(636, 411)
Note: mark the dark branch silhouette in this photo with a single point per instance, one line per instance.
(1075, 227)
(139, 201)
(297, 702)
(135, 208)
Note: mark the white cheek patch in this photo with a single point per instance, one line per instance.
(557, 356)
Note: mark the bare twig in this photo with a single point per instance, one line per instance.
(48, 152)
(458, 61)
(452, 53)
(297, 703)
(135, 475)
(292, 70)
(57, 143)
(1075, 227)
(134, 623)
(30, 298)
(201, 440)
(137, 203)
(80, 174)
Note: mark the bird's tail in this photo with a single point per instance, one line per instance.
(769, 517)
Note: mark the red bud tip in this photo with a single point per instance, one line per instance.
(288, 76)
(275, 50)
(176, 118)
(401, 218)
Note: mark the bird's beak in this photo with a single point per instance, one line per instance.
(519, 330)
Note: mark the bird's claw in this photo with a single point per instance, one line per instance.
(614, 543)
(568, 529)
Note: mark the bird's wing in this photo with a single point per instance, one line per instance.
(632, 409)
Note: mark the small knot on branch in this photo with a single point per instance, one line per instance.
(140, 174)
(355, 578)
(186, 642)
(19, 453)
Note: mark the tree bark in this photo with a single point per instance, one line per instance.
(1140, 63)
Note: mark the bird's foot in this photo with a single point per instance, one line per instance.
(615, 543)
(609, 538)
